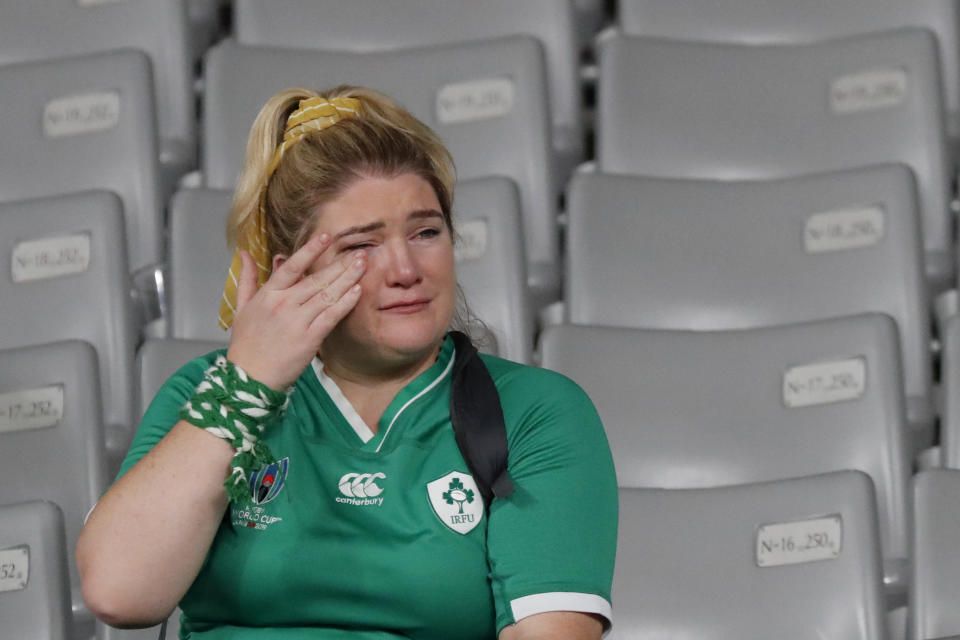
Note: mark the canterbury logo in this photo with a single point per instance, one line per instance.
(361, 485)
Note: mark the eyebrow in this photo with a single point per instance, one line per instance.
(374, 226)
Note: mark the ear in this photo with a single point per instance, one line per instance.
(278, 260)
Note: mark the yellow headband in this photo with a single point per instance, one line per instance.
(313, 114)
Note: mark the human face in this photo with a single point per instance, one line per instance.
(408, 288)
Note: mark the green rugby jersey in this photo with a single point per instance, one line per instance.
(383, 536)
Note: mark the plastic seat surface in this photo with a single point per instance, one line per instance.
(950, 393)
(160, 358)
(35, 583)
(366, 25)
(197, 260)
(763, 21)
(936, 567)
(687, 409)
(781, 110)
(69, 280)
(507, 136)
(53, 435)
(42, 29)
(704, 563)
(700, 254)
(83, 123)
(491, 263)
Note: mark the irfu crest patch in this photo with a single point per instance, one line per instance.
(456, 501)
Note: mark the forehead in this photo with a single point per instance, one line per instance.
(377, 199)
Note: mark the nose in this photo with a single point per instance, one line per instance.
(401, 269)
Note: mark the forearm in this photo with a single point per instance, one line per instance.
(145, 542)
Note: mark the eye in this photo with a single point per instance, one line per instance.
(356, 247)
(429, 232)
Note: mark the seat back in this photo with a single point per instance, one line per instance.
(51, 433)
(703, 408)
(85, 123)
(486, 100)
(950, 393)
(936, 566)
(69, 280)
(171, 632)
(787, 110)
(197, 263)
(160, 358)
(699, 254)
(365, 25)
(794, 558)
(762, 21)
(34, 580)
(491, 263)
(43, 29)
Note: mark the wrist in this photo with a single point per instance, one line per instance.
(237, 408)
(259, 373)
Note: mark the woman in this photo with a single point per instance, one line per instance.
(323, 494)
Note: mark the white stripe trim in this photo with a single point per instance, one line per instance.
(416, 397)
(349, 413)
(561, 601)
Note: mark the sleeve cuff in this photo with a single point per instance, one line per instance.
(561, 601)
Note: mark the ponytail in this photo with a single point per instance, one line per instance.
(265, 134)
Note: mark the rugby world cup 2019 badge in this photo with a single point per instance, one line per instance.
(265, 484)
(456, 501)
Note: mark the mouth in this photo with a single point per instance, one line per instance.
(404, 307)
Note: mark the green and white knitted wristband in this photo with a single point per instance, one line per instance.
(231, 405)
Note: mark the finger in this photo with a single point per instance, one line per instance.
(247, 284)
(336, 312)
(330, 294)
(296, 265)
(316, 282)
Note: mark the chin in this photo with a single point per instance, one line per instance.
(411, 342)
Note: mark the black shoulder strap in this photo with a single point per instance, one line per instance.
(477, 419)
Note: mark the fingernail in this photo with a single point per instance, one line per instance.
(358, 264)
(359, 255)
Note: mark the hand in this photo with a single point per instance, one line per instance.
(278, 330)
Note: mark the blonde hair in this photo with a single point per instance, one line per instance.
(383, 139)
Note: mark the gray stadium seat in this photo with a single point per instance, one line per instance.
(69, 280)
(766, 21)
(491, 265)
(950, 393)
(34, 582)
(439, 85)
(733, 112)
(150, 633)
(936, 564)
(197, 262)
(52, 436)
(699, 254)
(85, 123)
(689, 409)
(160, 358)
(707, 563)
(43, 29)
(367, 25)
